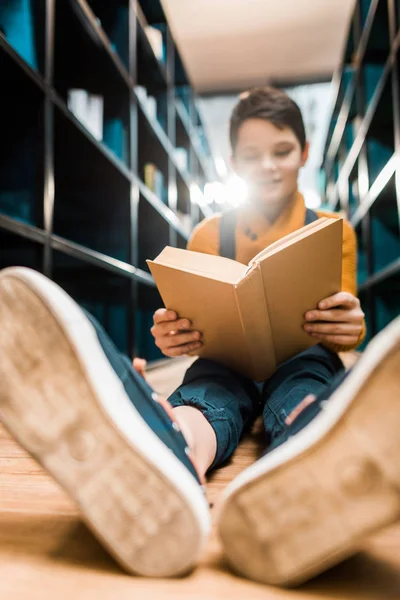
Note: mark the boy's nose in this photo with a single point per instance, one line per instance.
(268, 163)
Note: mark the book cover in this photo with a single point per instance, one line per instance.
(252, 317)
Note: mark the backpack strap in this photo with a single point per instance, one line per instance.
(310, 217)
(227, 229)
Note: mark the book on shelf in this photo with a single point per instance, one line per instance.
(116, 137)
(17, 24)
(148, 103)
(181, 158)
(154, 180)
(155, 38)
(88, 109)
(251, 316)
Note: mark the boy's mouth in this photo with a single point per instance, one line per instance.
(268, 182)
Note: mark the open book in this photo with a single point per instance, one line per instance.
(252, 316)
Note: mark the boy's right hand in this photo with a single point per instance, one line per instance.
(173, 336)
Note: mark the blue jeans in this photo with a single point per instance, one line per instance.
(231, 402)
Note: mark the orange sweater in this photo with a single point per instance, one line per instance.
(205, 238)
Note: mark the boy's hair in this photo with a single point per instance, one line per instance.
(271, 104)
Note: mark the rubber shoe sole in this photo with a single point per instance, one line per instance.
(62, 401)
(310, 502)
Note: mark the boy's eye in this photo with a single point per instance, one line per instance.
(283, 153)
(250, 158)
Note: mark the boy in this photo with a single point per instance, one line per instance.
(330, 473)
(268, 149)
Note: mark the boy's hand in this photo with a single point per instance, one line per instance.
(139, 364)
(338, 319)
(174, 337)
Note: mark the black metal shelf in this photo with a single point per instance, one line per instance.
(17, 249)
(92, 25)
(146, 53)
(162, 209)
(341, 119)
(365, 123)
(183, 116)
(100, 146)
(375, 190)
(100, 260)
(112, 25)
(105, 293)
(80, 209)
(154, 126)
(7, 52)
(22, 154)
(356, 60)
(366, 28)
(119, 165)
(362, 157)
(156, 202)
(25, 31)
(393, 269)
(157, 131)
(30, 232)
(34, 234)
(194, 141)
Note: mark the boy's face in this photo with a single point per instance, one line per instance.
(269, 160)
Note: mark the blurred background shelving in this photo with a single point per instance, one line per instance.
(105, 158)
(361, 162)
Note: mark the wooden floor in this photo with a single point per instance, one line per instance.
(47, 553)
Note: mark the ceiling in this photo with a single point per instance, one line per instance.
(228, 45)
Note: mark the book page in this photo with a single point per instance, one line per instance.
(208, 265)
(290, 238)
(295, 278)
(211, 305)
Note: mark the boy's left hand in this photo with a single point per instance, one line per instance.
(338, 320)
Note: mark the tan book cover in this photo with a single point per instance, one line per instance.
(252, 316)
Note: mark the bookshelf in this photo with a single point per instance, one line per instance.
(92, 93)
(363, 150)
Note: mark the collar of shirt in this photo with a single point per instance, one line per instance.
(256, 226)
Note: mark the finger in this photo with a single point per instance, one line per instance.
(139, 364)
(182, 338)
(335, 314)
(339, 299)
(341, 340)
(333, 328)
(299, 408)
(193, 352)
(167, 327)
(162, 314)
(184, 349)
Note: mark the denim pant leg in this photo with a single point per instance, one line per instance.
(228, 401)
(310, 372)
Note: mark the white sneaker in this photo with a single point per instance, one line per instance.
(311, 501)
(79, 408)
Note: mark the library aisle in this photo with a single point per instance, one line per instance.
(99, 115)
(104, 161)
(361, 165)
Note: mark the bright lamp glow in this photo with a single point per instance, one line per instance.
(196, 195)
(221, 167)
(233, 192)
(236, 191)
